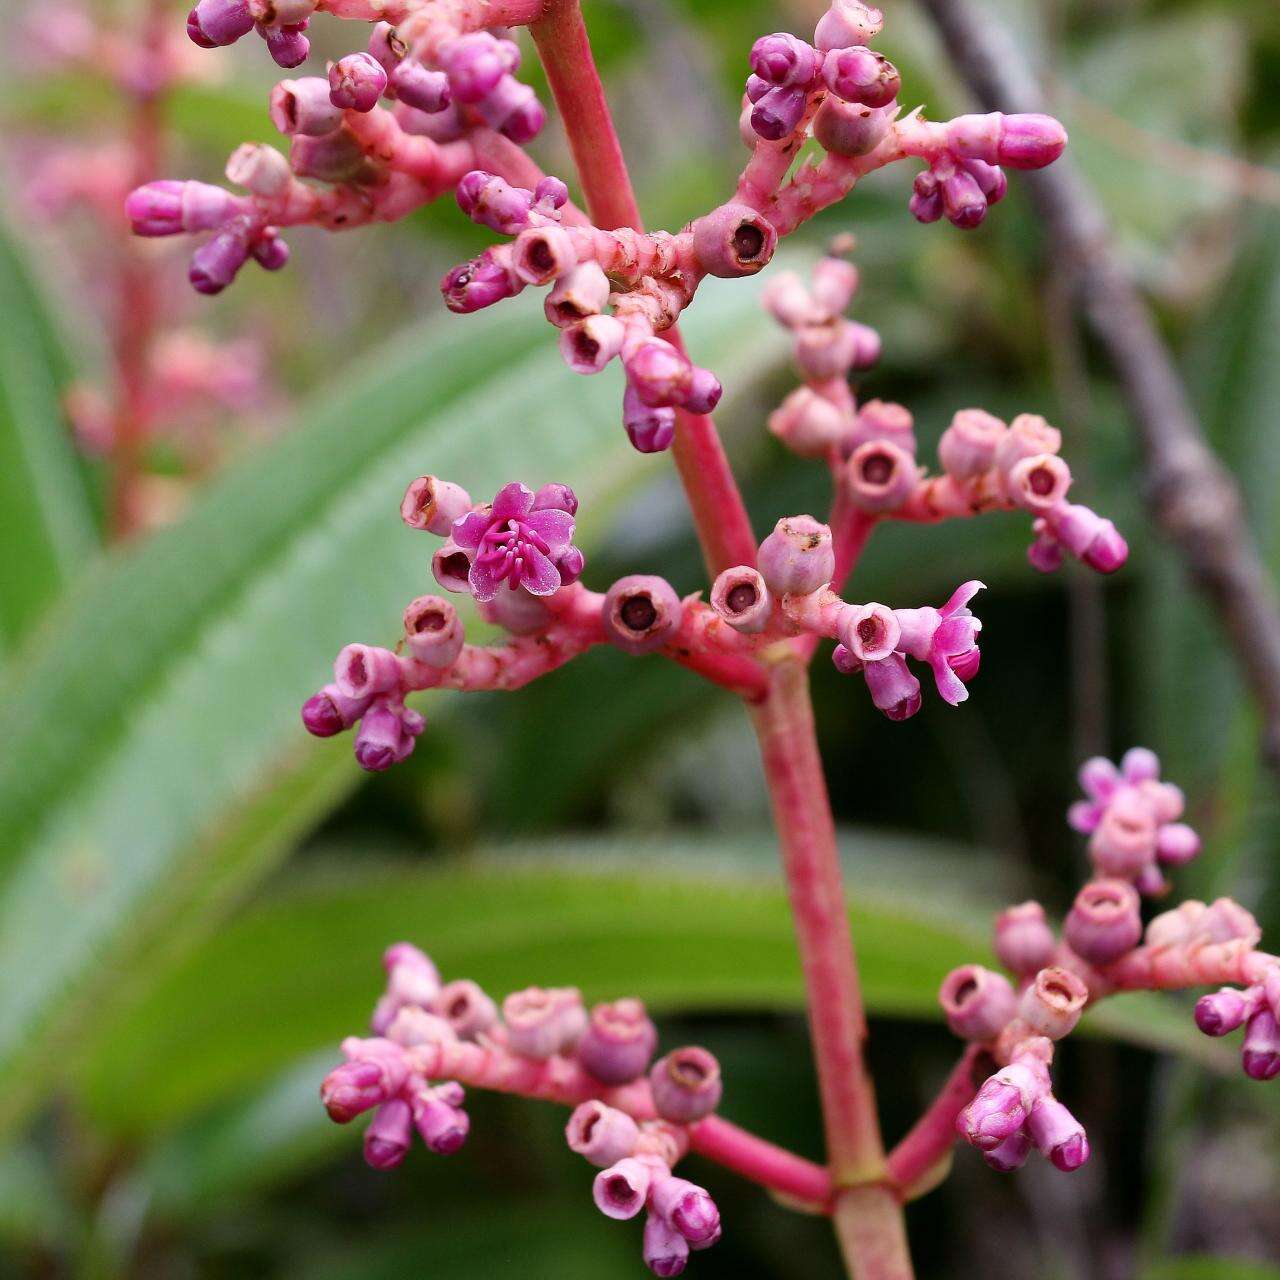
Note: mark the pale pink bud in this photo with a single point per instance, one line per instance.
(466, 1008)
(362, 670)
(259, 168)
(356, 82)
(884, 420)
(733, 240)
(601, 1134)
(589, 344)
(541, 1023)
(1125, 839)
(303, 107)
(641, 613)
(1039, 482)
(620, 1190)
(870, 632)
(1176, 844)
(433, 631)
(1105, 921)
(433, 504)
(968, 446)
(789, 301)
(386, 1140)
(881, 476)
(1011, 1154)
(543, 254)
(686, 1084)
(808, 423)
(797, 557)
(1028, 435)
(1221, 1012)
(1023, 940)
(1054, 1001)
(1058, 1135)
(618, 1042)
(849, 128)
(847, 22)
(452, 567)
(977, 1003)
(666, 1251)
(581, 292)
(740, 597)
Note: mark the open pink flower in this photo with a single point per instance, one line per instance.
(510, 542)
(946, 639)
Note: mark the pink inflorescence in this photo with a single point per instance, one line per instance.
(630, 1116)
(1103, 948)
(1130, 817)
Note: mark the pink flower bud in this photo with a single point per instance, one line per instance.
(641, 613)
(666, 1251)
(830, 350)
(1140, 764)
(925, 204)
(1104, 922)
(433, 631)
(514, 111)
(167, 208)
(1029, 141)
(733, 240)
(1058, 1135)
(849, 128)
(1260, 1055)
(1054, 1001)
(304, 107)
(1023, 940)
(870, 632)
(541, 1023)
(740, 597)
(417, 968)
(475, 64)
(881, 476)
(1125, 839)
(556, 497)
(376, 1071)
(977, 1003)
(433, 504)
(333, 157)
(543, 254)
(1039, 482)
(894, 690)
(441, 1125)
(581, 292)
(587, 345)
(480, 283)
(777, 113)
(847, 22)
(618, 1042)
(601, 1134)
(797, 557)
(1221, 1012)
(287, 46)
(1028, 435)
(649, 430)
(386, 736)
(620, 1190)
(808, 423)
(362, 670)
(658, 373)
(963, 203)
(686, 1085)
(835, 281)
(968, 446)
(386, 46)
(356, 82)
(1176, 844)
(1226, 921)
(883, 420)
(219, 22)
(420, 87)
(689, 1208)
(1011, 1154)
(216, 263)
(491, 202)
(466, 1008)
(330, 711)
(786, 298)
(996, 1113)
(783, 59)
(858, 74)
(1176, 927)
(386, 1140)
(259, 168)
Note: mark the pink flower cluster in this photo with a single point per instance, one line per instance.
(631, 1116)
(1130, 817)
(1103, 948)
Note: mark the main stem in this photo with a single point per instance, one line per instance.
(866, 1212)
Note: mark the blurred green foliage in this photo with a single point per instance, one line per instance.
(193, 896)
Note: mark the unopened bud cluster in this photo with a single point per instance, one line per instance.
(632, 1113)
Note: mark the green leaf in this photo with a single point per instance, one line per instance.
(47, 531)
(163, 767)
(1204, 1267)
(695, 923)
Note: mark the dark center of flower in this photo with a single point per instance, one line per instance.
(619, 1190)
(877, 468)
(588, 347)
(868, 630)
(456, 565)
(428, 620)
(638, 613)
(741, 598)
(965, 990)
(1041, 480)
(748, 240)
(540, 256)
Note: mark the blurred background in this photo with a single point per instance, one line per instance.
(194, 895)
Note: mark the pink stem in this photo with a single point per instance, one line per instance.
(931, 1138)
(566, 1082)
(868, 1216)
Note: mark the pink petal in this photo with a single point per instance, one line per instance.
(539, 577)
(468, 530)
(484, 579)
(950, 686)
(961, 596)
(512, 500)
(554, 527)
(956, 635)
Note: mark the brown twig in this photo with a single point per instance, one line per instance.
(1192, 499)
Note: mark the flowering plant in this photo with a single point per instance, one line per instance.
(457, 119)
